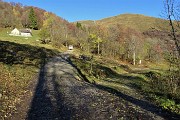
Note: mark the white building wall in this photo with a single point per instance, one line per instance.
(26, 34)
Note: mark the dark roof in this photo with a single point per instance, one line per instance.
(25, 31)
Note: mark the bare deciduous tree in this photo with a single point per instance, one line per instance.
(173, 13)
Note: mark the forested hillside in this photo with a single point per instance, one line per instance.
(52, 27)
(150, 37)
(18, 15)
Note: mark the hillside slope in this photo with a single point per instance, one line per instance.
(136, 21)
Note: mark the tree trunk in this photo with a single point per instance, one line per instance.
(128, 55)
(88, 48)
(66, 40)
(174, 35)
(171, 13)
(98, 48)
(134, 58)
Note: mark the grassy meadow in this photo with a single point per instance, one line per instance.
(34, 40)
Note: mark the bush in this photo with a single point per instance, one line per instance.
(168, 104)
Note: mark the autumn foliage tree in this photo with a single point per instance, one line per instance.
(173, 12)
(16, 15)
(95, 41)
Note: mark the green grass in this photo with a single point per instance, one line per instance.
(34, 40)
(4, 35)
(158, 66)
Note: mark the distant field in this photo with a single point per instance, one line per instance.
(4, 35)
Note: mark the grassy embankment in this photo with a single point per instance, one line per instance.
(20, 61)
(129, 80)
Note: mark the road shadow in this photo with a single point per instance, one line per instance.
(41, 106)
(47, 102)
(143, 104)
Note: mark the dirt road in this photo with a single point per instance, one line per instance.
(61, 94)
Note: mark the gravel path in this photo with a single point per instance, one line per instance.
(61, 94)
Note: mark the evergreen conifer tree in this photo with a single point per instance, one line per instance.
(33, 20)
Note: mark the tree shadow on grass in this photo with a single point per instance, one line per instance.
(141, 103)
(13, 53)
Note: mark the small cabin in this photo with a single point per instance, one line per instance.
(22, 32)
(26, 33)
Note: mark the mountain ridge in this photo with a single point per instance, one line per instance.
(136, 21)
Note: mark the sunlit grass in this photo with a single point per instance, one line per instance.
(34, 40)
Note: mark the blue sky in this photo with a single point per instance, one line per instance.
(74, 10)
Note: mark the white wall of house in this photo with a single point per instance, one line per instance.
(26, 34)
(15, 32)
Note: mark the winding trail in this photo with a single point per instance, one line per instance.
(61, 94)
